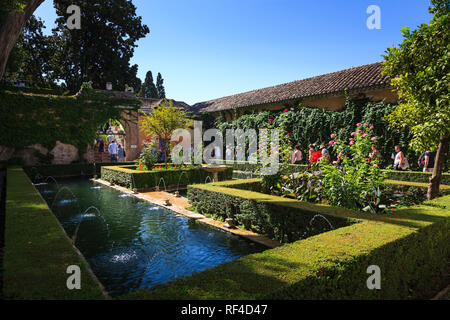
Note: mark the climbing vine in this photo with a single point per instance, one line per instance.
(36, 117)
(315, 125)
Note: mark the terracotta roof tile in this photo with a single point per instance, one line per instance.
(354, 78)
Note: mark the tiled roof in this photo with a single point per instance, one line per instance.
(149, 103)
(361, 77)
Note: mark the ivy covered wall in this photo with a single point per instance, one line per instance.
(39, 116)
(315, 125)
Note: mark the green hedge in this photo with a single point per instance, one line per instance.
(69, 170)
(415, 176)
(411, 246)
(262, 215)
(127, 176)
(37, 250)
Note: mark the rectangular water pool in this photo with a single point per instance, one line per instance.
(131, 244)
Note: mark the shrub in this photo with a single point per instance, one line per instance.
(129, 177)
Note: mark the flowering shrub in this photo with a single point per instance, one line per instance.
(353, 181)
(149, 155)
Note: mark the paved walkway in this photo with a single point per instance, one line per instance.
(179, 205)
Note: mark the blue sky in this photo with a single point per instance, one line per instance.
(207, 49)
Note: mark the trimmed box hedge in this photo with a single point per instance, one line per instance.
(37, 251)
(414, 176)
(129, 177)
(70, 170)
(411, 246)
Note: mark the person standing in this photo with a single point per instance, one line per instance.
(217, 153)
(121, 153)
(400, 161)
(325, 152)
(113, 150)
(311, 150)
(296, 155)
(228, 154)
(429, 161)
(101, 149)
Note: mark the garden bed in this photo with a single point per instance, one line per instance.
(413, 176)
(130, 177)
(411, 246)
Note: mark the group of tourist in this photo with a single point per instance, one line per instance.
(116, 151)
(426, 159)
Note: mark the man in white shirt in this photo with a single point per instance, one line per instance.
(113, 151)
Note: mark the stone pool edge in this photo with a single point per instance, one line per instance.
(249, 235)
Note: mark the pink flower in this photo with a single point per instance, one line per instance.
(365, 135)
(372, 127)
(331, 142)
(289, 134)
(352, 142)
(358, 124)
(335, 142)
(353, 133)
(351, 139)
(373, 138)
(333, 135)
(375, 165)
(366, 125)
(358, 131)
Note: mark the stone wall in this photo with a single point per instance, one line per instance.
(60, 154)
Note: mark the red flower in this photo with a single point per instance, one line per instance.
(271, 120)
(286, 110)
(289, 134)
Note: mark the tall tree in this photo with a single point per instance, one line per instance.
(160, 86)
(14, 14)
(101, 50)
(148, 89)
(31, 58)
(420, 71)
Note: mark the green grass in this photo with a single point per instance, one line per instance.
(37, 250)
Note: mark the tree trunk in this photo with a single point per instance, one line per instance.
(10, 28)
(439, 162)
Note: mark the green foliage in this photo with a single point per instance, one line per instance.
(150, 155)
(269, 218)
(37, 251)
(102, 49)
(160, 87)
(310, 125)
(32, 58)
(354, 183)
(148, 89)
(29, 118)
(423, 82)
(130, 177)
(163, 121)
(411, 246)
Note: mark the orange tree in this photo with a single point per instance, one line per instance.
(420, 71)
